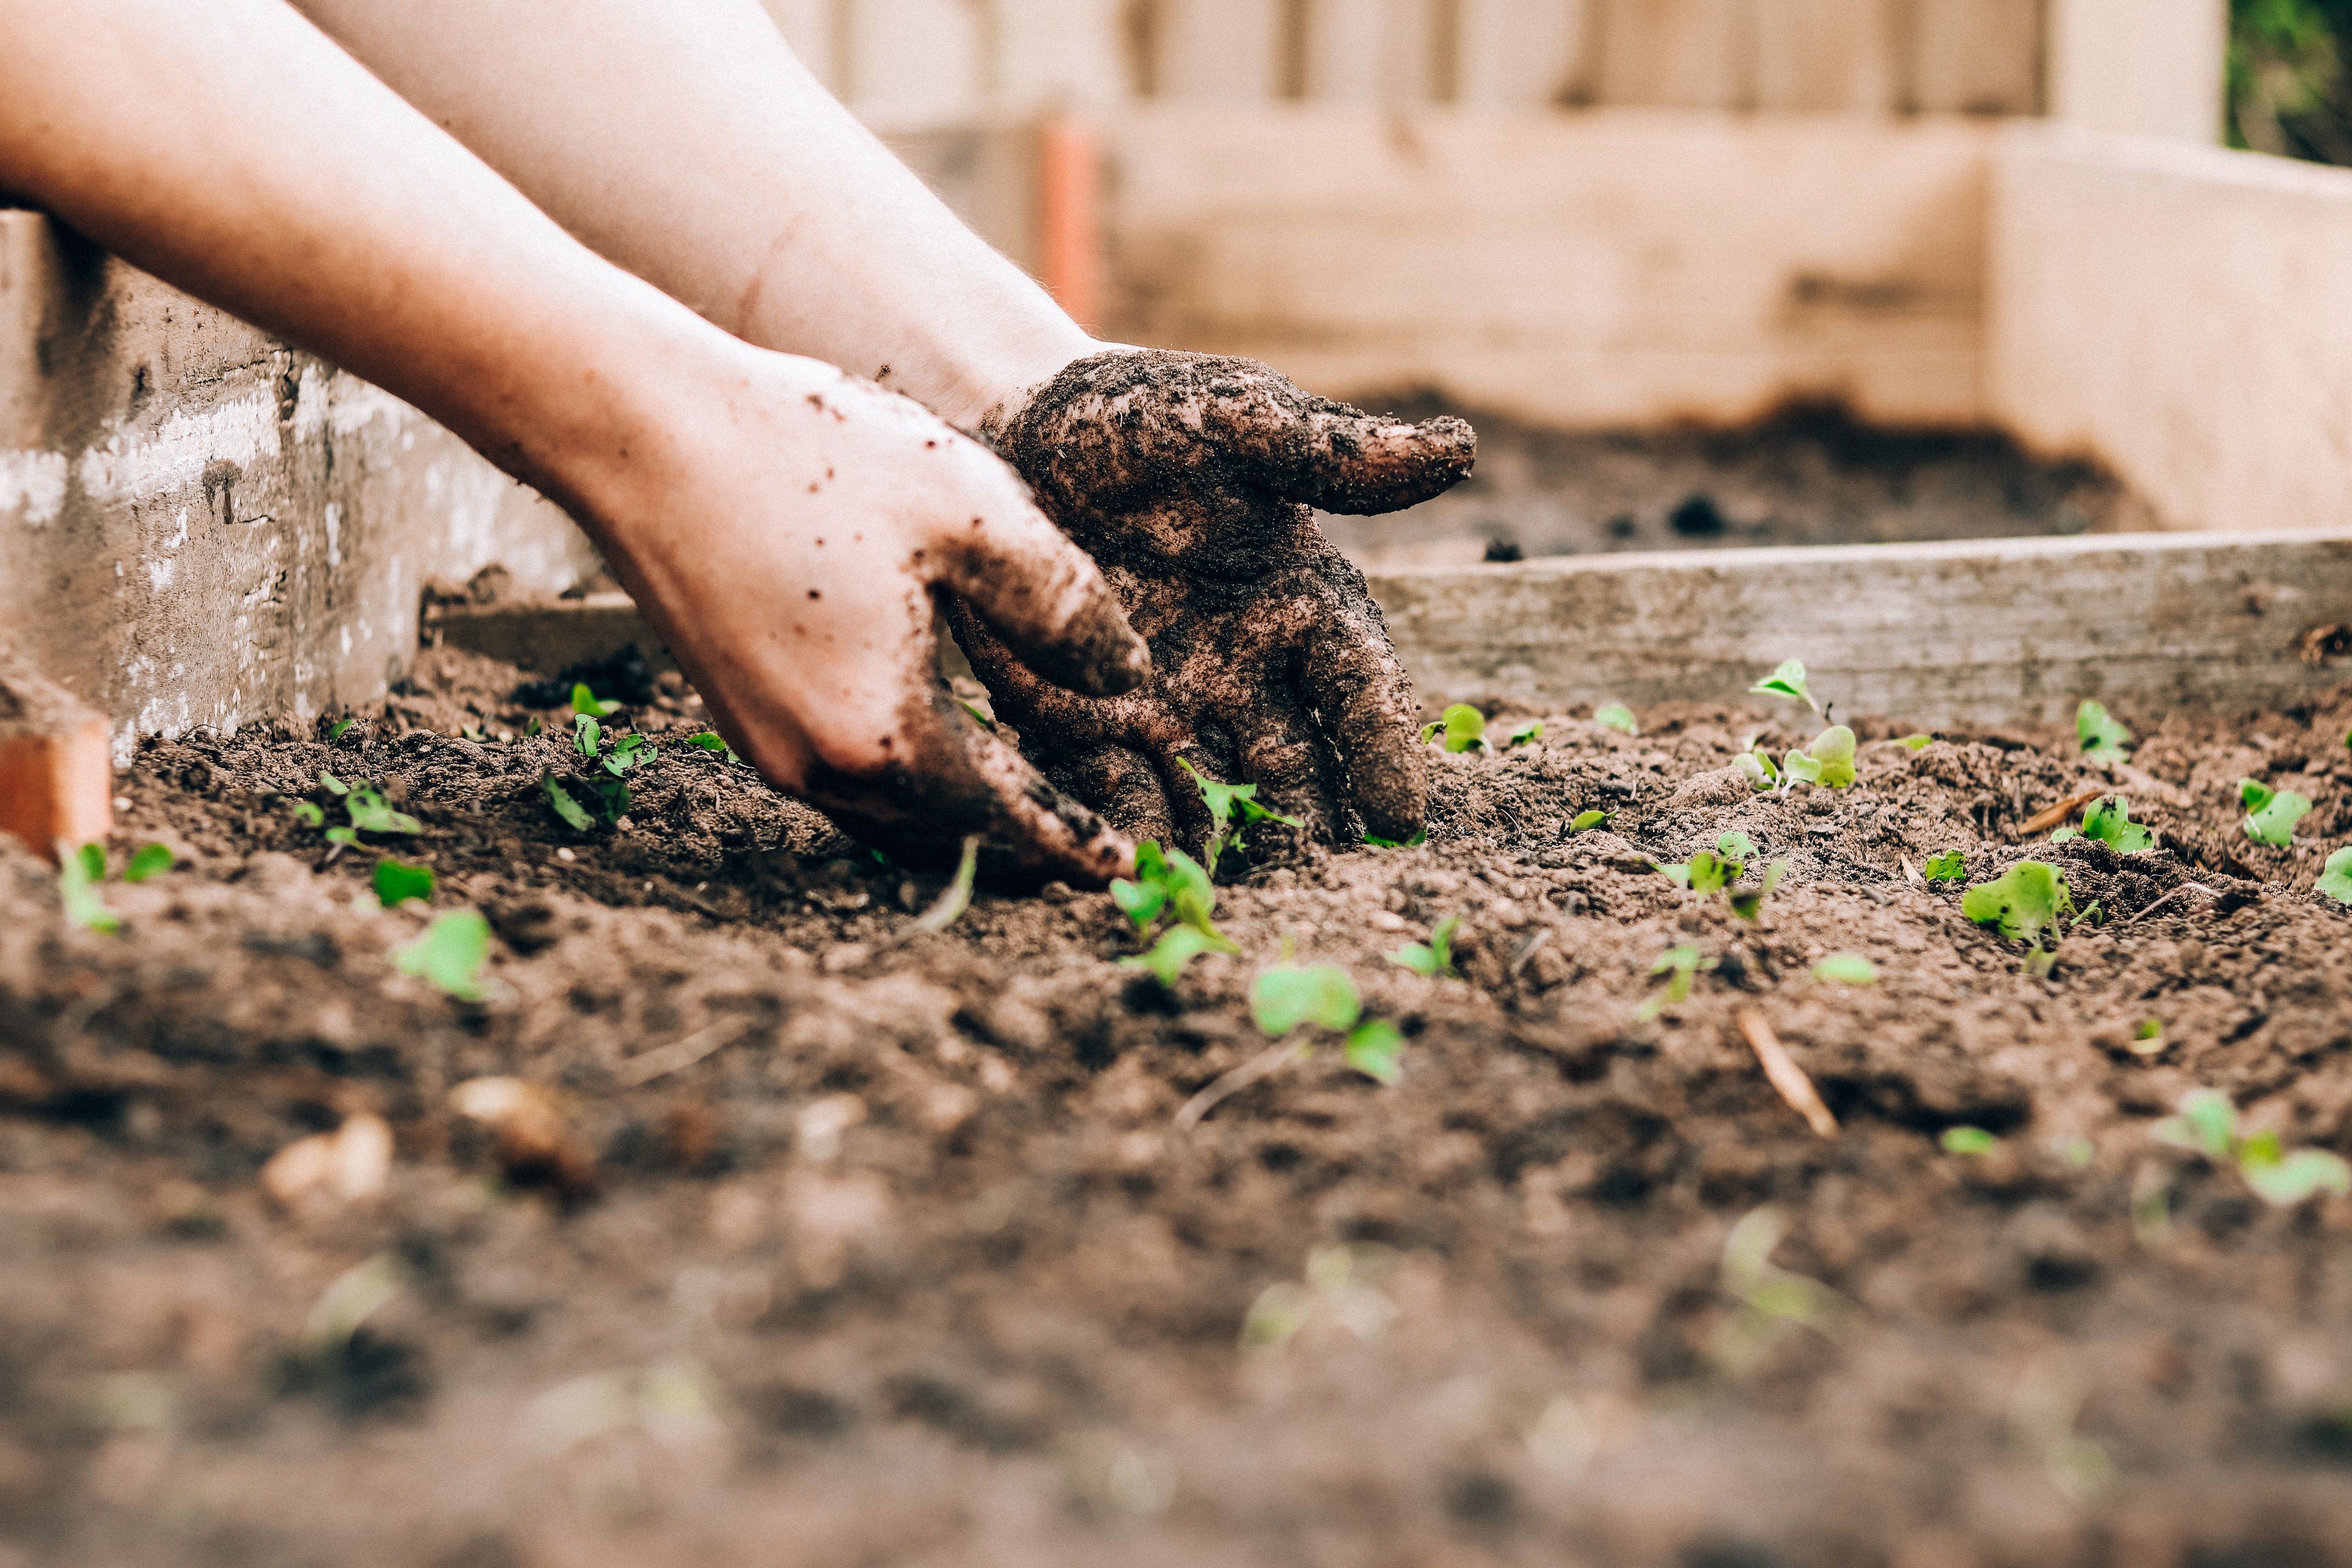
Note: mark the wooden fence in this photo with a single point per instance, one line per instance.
(912, 63)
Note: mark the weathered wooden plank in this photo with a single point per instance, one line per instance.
(1676, 54)
(1523, 54)
(1997, 631)
(1224, 51)
(1824, 55)
(1976, 57)
(1990, 631)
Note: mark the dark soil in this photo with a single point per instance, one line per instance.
(1809, 475)
(914, 1267)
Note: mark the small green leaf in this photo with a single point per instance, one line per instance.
(396, 883)
(587, 735)
(1287, 995)
(2103, 739)
(1521, 734)
(94, 862)
(1789, 681)
(308, 813)
(1462, 727)
(2273, 824)
(2336, 877)
(584, 702)
(1916, 742)
(1435, 957)
(1951, 866)
(1616, 716)
(1830, 757)
(1139, 902)
(1760, 772)
(2064, 835)
(2207, 1123)
(2109, 821)
(347, 837)
(335, 730)
(979, 718)
(78, 889)
(1709, 872)
(1374, 1048)
(2024, 902)
(1846, 969)
(1748, 903)
(370, 813)
(1177, 947)
(2254, 794)
(1969, 1141)
(333, 784)
(629, 751)
(2292, 1178)
(1736, 847)
(147, 860)
(1586, 821)
(450, 954)
(2148, 1040)
(1415, 842)
(571, 810)
(1680, 964)
(531, 728)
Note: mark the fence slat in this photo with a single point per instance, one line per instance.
(1824, 55)
(1225, 51)
(1057, 54)
(1976, 56)
(1674, 54)
(1523, 53)
(912, 63)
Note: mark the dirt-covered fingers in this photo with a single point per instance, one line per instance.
(1354, 679)
(1042, 596)
(1281, 755)
(957, 780)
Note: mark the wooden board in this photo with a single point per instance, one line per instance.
(1998, 631)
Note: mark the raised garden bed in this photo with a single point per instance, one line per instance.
(855, 1243)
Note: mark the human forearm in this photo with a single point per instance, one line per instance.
(693, 149)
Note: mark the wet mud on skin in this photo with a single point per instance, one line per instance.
(910, 1266)
(1807, 475)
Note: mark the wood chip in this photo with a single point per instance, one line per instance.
(1911, 873)
(2058, 815)
(1786, 1075)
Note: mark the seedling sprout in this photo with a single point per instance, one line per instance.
(1916, 742)
(1223, 801)
(1788, 681)
(585, 703)
(2026, 900)
(2336, 877)
(2109, 821)
(1415, 842)
(1586, 821)
(1462, 727)
(1616, 716)
(450, 954)
(1748, 903)
(1435, 957)
(1828, 762)
(2271, 814)
(79, 872)
(1290, 995)
(1969, 1141)
(1171, 883)
(1523, 734)
(1763, 775)
(1771, 1300)
(2208, 1124)
(1681, 965)
(1951, 866)
(2103, 739)
(710, 741)
(1846, 969)
(396, 883)
(957, 898)
(2148, 1040)
(147, 860)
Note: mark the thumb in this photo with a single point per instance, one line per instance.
(1340, 459)
(1046, 598)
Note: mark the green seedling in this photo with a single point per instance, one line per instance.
(1434, 957)
(1736, 847)
(335, 730)
(2103, 739)
(2109, 821)
(1616, 716)
(979, 718)
(2148, 1040)
(585, 703)
(630, 752)
(1916, 742)
(2027, 900)
(1846, 969)
(147, 860)
(1748, 903)
(2208, 1124)
(450, 954)
(332, 784)
(1712, 870)
(371, 813)
(472, 732)
(1462, 727)
(1951, 866)
(1772, 1300)
(1788, 681)
(951, 904)
(1828, 762)
(1523, 734)
(587, 736)
(1763, 775)
(1289, 996)
(712, 742)
(1415, 842)
(1177, 947)
(2271, 814)
(1586, 821)
(1969, 1141)
(532, 728)
(2335, 877)
(80, 873)
(574, 814)
(396, 883)
(308, 814)
(1225, 803)
(1171, 883)
(1681, 965)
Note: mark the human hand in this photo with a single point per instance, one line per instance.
(791, 544)
(1190, 480)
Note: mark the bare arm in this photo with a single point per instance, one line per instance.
(688, 144)
(786, 527)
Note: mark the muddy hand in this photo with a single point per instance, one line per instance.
(1192, 482)
(794, 547)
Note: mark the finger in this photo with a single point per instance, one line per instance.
(1355, 680)
(957, 779)
(1280, 755)
(1342, 460)
(1045, 597)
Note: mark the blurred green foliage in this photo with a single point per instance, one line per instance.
(2289, 92)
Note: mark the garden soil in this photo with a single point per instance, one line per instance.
(809, 1237)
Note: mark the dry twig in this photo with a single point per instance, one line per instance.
(1786, 1075)
(2058, 815)
(1265, 1064)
